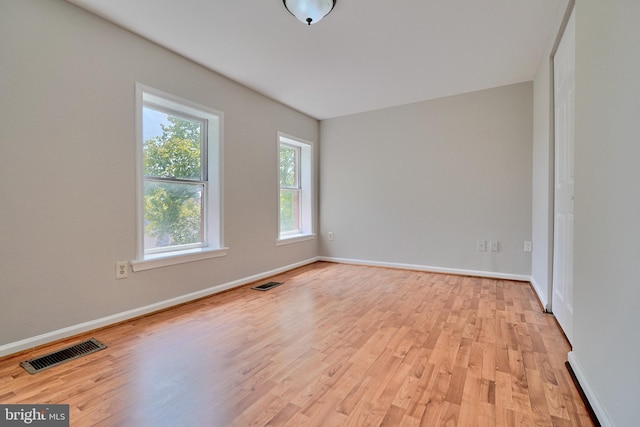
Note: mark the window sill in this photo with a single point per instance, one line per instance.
(181, 257)
(294, 238)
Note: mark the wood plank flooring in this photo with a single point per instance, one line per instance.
(336, 345)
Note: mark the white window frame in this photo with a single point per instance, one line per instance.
(213, 237)
(307, 190)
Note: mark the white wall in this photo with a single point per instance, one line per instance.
(419, 184)
(67, 170)
(606, 341)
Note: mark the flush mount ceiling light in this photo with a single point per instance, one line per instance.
(309, 11)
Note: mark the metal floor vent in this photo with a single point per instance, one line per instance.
(267, 286)
(61, 356)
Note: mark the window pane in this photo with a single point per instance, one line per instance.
(289, 158)
(172, 146)
(289, 211)
(172, 214)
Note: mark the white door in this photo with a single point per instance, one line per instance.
(564, 101)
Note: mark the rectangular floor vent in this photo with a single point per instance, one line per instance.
(61, 356)
(267, 286)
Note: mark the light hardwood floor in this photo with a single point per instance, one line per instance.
(335, 345)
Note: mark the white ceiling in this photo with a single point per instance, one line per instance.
(365, 55)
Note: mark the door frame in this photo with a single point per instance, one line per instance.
(552, 157)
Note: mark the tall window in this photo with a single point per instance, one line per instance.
(175, 179)
(290, 189)
(180, 206)
(296, 189)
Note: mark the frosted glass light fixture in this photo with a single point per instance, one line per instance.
(309, 11)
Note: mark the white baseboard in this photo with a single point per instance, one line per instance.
(417, 267)
(59, 334)
(542, 294)
(597, 407)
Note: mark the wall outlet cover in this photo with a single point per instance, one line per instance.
(122, 270)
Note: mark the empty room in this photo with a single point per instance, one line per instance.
(319, 213)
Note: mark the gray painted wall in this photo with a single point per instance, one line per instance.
(67, 170)
(607, 205)
(421, 183)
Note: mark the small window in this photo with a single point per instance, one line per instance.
(295, 188)
(179, 203)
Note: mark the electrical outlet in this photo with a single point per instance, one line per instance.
(330, 235)
(122, 270)
(527, 245)
(481, 245)
(495, 247)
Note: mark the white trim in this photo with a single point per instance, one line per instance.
(295, 238)
(601, 413)
(164, 259)
(463, 272)
(59, 334)
(542, 295)
(140, 89)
